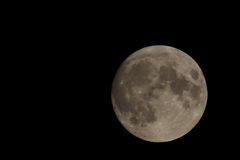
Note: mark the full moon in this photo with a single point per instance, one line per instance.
(159, 93)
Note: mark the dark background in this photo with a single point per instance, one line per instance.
(110, 41)
(69, 56)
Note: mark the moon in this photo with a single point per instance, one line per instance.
(159, 93)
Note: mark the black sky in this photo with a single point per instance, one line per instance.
(73, 55)
(110, 44)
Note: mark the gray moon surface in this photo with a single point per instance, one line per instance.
(159, 93)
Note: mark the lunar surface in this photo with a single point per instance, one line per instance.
(159, 93)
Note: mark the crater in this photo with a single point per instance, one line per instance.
(195, 91)
(186, 104)
(194, 74)
(151, 93)
(149, 115)
(134, 120)
(143, 115)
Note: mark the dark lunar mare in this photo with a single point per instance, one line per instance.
(142, 113)
(178, 83)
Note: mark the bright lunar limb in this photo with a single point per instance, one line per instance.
(159, 93)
